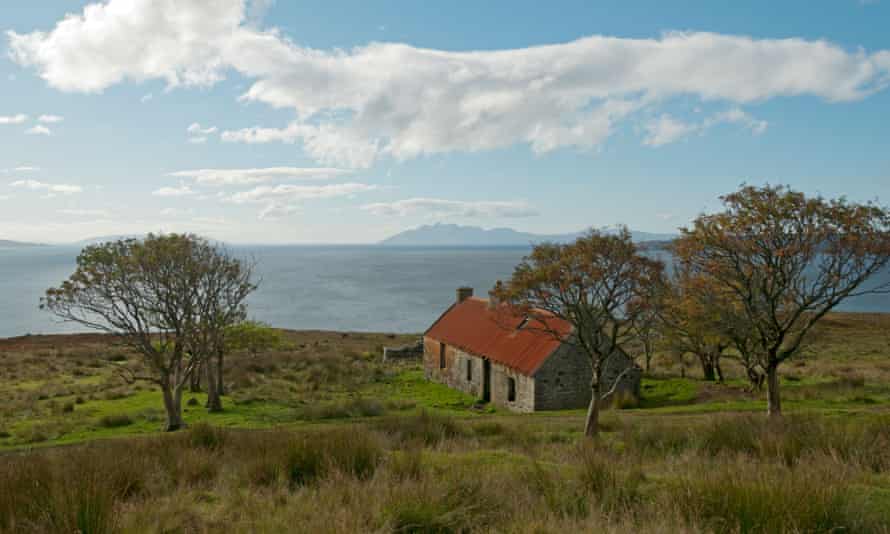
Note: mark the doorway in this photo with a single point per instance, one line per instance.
(486, 380)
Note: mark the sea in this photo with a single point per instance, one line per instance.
(345, 288)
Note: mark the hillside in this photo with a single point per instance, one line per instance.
(456, 235)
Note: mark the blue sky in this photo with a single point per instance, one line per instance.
(345, 122)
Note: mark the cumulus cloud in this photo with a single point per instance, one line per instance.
(50, 119)
(436, 207)
(34, 185)
(13, 119)
(196, 128)
(223, 177)
(182, 191)
(389, 99)
(38, 129)
(666, 129)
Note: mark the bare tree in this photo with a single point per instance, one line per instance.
(589, 285)
(788, 260)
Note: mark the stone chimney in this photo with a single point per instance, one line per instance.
(463, 293)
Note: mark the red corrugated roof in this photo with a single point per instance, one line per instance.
(474, 327)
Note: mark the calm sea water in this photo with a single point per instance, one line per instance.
(358, 288)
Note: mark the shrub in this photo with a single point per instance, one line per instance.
(613, 485)
(351, 452)
(463, 508)
(426, 427)
(68, 407)
(204, 436)
(407, 464)
(625, 400)
(749, 498)
(115, 420)
(192, 402)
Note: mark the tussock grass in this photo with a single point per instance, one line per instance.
(429, 473)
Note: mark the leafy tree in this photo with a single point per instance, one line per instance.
(223, 291)
(648, 330)
(252, 336)
(788, 259)
(153, 294)
(690, 319)
(590, 284)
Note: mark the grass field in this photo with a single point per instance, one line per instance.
(321, 434)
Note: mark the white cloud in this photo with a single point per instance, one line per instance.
(39, 129)
(50, 119)
(275, 211)
(328, 144)
(390, 99)
(666, 129)
(222, 177)
(435, 207)
(283, 200)
(196, 128)
(34, 185)
(197, 140)
(296, 193)
(182, 191)
(21, 168)
(85, 212)
(13, 119)
(737, 116)
(146, 97)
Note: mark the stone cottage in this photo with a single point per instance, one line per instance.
(484, 351)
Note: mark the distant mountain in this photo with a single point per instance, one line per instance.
(5, 243)
(456, 235)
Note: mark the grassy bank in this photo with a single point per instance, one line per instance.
(320, 433)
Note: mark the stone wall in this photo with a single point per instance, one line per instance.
(563, 381)
(407, 352)
(525, 389)
(455, 372)
(455, 375)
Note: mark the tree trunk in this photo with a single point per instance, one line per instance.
(774, 404)
(220, 386)
(214, 403)
(707, 368)
(173, 405)
(718, 370)
(195, 380)
(592, 426)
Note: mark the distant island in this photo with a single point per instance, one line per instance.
(456, 235)
(6, 243)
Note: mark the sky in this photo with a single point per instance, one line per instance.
(255, 121)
